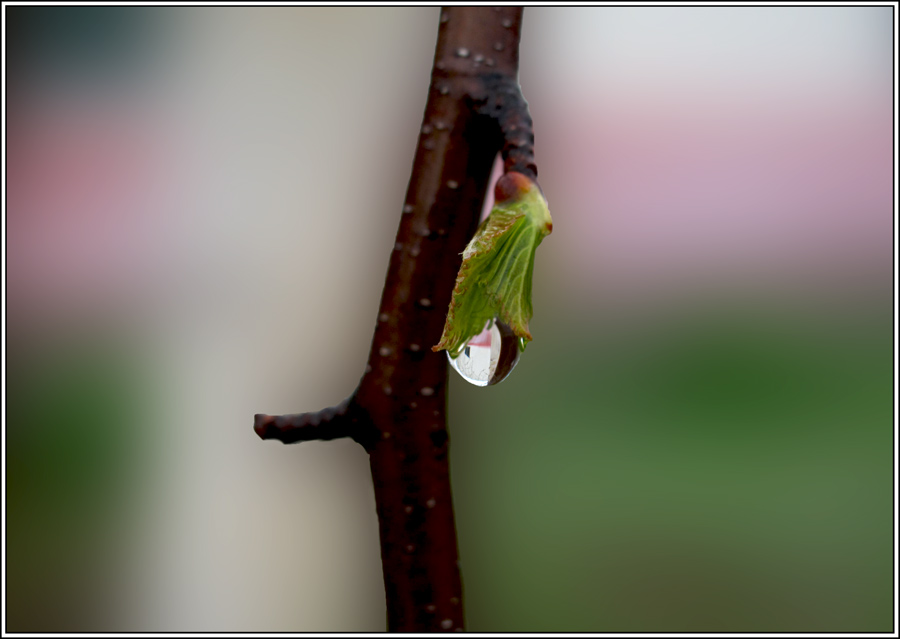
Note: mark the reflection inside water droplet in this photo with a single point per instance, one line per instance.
(489, 357)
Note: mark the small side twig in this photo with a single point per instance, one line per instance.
(503, 102)
(343, 420)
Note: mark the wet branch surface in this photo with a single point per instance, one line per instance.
(398, 413)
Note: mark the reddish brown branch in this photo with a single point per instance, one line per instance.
(474, 111)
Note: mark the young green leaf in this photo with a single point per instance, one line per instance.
(494, 280)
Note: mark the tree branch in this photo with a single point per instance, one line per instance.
(474, 111)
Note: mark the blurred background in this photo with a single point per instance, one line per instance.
(699, 438)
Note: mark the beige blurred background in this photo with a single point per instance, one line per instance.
(201, 204)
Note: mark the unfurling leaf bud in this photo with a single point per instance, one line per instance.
(494, 281)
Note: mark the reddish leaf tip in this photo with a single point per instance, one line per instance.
(511, 186)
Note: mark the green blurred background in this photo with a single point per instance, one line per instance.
(700, 438)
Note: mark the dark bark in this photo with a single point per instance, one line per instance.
(475, 110)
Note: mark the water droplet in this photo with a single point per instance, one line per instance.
(455, 600)
(384, 351)
(428, 144)
(452, 184)
(425, 302)
(385, 435)
(414, 251)
(462, 52)
(383, 317)
(489, 357)
(427, 391)
(431, 503)
(498, 46)
(506, 22)
(426, 129)
(446, 624)
(387, 389)
(444, 89)
(408, 208)
(414, 348)
(413, 405)
(398, 246)
(410, 548)
(489, 62)
(440, 125)
(368, 368)
(430, 608)
(478, 57)
(444, 18)
(407, 509)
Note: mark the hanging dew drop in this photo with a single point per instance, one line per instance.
(489, 357)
